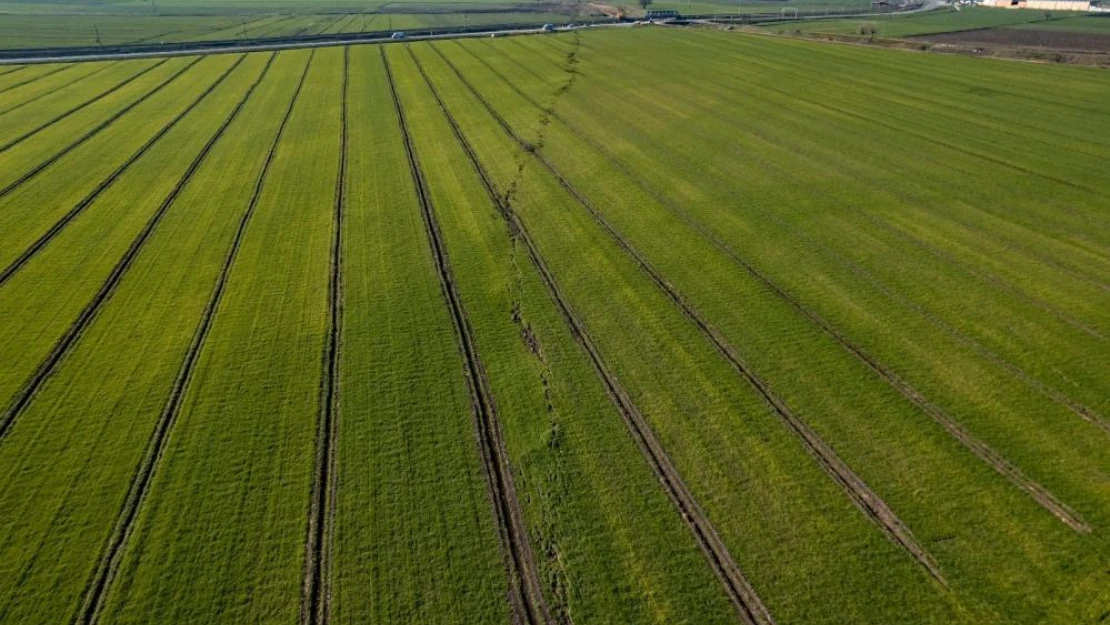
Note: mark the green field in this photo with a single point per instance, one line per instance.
(30, 24)
(718, 7)
(628, 326)
(1097, 24)
(943, 21)
(30, 31)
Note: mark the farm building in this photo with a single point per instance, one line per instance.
(1045, 5)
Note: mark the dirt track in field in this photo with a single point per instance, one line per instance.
(747, 602)
(98, 586)
(316, 604)
(525, 594)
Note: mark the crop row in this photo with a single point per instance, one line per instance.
(704, 413)
(754, 335)
(414, 535)
(20, 125)
(922, 302)
(525, 596)
(905, 291)
(399, 333)
(737, 587)
(245, 514)
(90, 419)
(556, 420)
(984, 452)
(40, 291)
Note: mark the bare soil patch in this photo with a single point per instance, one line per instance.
(1063, 41)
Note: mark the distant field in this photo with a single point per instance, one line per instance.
(1059, 40)
(30, 31)
(639, 326)
(757, 6)
(196, 7)
(1062, 30)
(39, 31)
(37, 24)
(1098, 24)
(934, 22)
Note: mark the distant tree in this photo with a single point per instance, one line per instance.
(644, 4)
(1047, 15)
